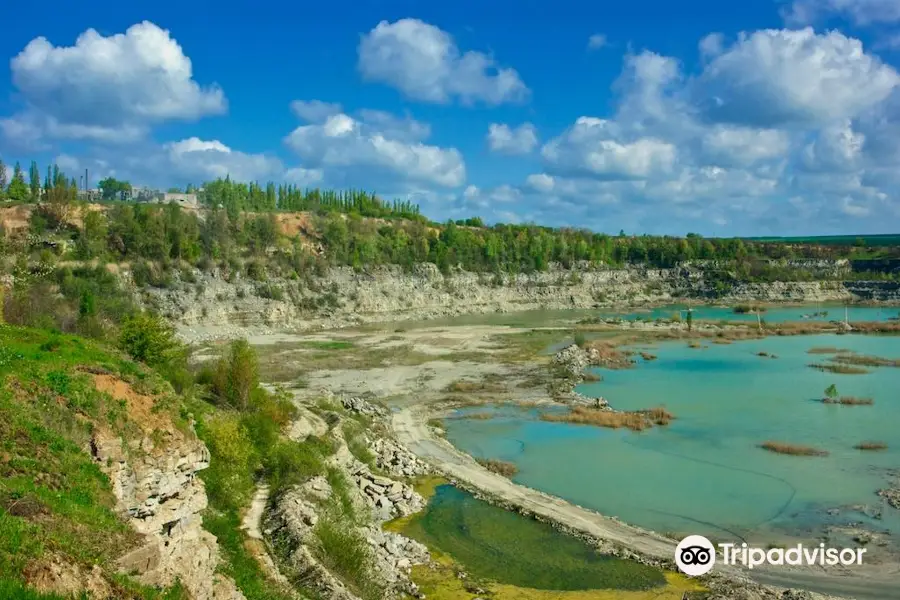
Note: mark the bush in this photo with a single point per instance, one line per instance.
(235, 376)
(580, 339)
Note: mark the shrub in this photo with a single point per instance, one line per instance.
(580, 339)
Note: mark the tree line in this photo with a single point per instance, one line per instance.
(358, 229)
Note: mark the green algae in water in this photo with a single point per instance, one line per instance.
(494, 544)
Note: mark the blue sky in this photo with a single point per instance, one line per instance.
(760, 117)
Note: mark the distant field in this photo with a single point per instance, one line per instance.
(836, 240)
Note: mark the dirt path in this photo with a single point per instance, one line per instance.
(410, 427)
(256, 545)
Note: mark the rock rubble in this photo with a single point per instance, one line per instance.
(388, 498)
(394, 459)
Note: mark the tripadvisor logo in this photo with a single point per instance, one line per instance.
(695, 555)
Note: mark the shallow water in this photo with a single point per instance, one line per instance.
(548, 318)
(779, 314)
(505, 547)
(704, 473)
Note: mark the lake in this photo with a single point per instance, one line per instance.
(704, 473)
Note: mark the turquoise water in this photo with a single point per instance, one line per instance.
(546, 318)
(704, 472)
(772, 315)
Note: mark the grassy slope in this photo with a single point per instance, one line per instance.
(54, 501)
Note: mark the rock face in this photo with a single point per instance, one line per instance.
(344, 296)
(154, 479)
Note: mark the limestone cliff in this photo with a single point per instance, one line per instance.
(154, 479)
(345, 296)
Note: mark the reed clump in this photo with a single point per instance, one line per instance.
(849, 401)
(865, 361)
(826, 350)
(871, 446)
(792, 449)
(839, 369)
(635, 421)
(659, 415)
(500, 467)
(647, 356)
(743, 309)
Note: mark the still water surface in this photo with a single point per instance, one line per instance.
(704, 473)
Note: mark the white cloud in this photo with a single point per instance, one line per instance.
(424, 63)
(315, 111)
(343, 143)
(726, 145)
(191, 160)
(108, 88)
(712, 45)
(597, 41)
(596, 147)
(506, 140)
(774, 78)
(861, 12)
(850, 208)
(540, 182)
(837, 148)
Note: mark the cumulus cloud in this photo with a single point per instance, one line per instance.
(108, 88)
(725, 145)
(507, 140)
(376, 144)
(424, 63)
(803, 129)
(861, 12)
(596, 147)
(191, 160)
(775, 78)
(315, 111)
(597, 41)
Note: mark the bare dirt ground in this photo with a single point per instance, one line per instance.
(414, 372)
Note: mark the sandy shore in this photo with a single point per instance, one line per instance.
(416, 390)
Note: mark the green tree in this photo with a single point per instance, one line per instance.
(34, 182)
(149, 339)
(236, 377)
(18, 189)
(831, 391)
(113, 189)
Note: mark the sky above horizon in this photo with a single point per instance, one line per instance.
(765, 117)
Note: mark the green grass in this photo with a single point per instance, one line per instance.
(53, 498)
(339, 544)
(329, 345)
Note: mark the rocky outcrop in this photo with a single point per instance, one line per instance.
(891, 496)
(343, 296)
(394, 459)
(363, 407)
(387, 498)
(154, 479)
(292, 523)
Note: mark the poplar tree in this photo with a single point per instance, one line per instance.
(34, 176)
